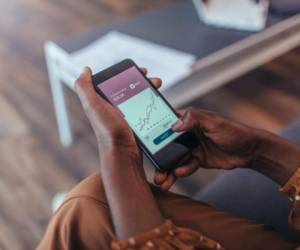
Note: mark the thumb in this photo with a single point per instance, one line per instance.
(86, 92)
(188, 120)
(84, 86)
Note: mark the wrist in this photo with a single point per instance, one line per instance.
(113, 146)
(276, 157)
(111, 153)
(127, 190)
(263, 142)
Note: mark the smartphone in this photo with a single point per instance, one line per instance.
(147, 112)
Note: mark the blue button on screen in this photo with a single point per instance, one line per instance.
(163, 136)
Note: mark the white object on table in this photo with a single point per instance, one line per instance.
(169, 64)
(236, 14)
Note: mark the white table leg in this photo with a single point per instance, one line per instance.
(61, 112)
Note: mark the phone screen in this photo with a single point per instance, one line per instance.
(143, 108)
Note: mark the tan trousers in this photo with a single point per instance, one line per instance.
(84, 222)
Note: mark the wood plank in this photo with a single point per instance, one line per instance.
(11, 124)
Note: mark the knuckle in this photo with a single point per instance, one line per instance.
(191, 113)
(219, 120)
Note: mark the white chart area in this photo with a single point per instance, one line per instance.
(149, 117)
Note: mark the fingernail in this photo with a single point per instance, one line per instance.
(177, 124)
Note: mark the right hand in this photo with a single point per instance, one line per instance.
(224, 144)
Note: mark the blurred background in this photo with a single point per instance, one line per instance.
(34, 165)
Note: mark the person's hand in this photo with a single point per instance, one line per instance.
(127, 190)
(224, 144)
(107, 122)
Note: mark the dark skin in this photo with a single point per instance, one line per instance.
(131, 202)
(225, 145)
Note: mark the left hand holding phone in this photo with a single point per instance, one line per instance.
(127, 190)
(107, 122)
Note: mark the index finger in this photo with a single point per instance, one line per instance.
(155, 80)
(144, 70)
(192, 118)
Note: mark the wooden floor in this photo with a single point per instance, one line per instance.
(33, 165)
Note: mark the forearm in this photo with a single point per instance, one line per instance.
(132, 205)
(277, 158)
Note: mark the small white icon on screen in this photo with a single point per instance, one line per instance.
(134, 85)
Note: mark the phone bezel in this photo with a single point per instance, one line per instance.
(118, 68)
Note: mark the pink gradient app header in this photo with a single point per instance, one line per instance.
(123, 86)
